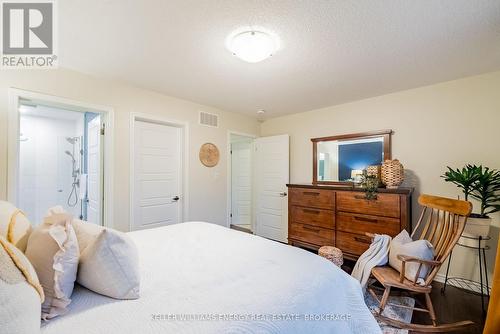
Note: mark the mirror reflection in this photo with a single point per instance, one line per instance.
(345, 160)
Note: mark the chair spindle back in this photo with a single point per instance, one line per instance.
(441, 223)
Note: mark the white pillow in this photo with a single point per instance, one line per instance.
(402, 244)
(110, 266)
(20, 292)
(14, 225)
(53, 251)
(86, 233)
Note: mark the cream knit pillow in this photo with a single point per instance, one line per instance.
(14, 225)
(53, 251)
(110, 266)
(20, 292)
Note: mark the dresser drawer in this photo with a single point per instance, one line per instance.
(358, 223)
(313, 216)
(317, 198)
(312, 234)
(386, 205)
(351, 243)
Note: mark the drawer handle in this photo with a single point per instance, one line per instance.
(364, 219)
(316, 212)
(363, 240)
(310, 193)
(315, 230)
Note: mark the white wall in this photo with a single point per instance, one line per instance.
(207, 186)
(448, 124)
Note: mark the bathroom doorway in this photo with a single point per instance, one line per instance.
(241, 166)
(59, 161)
(50, 161)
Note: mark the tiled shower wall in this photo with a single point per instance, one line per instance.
(45, 170)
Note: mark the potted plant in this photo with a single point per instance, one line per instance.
(482, 184)
(370, 183)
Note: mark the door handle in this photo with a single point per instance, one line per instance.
(283, 194)
(176, 198)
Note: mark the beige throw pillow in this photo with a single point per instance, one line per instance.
(110, 266)
(403, 244)
(20, 292)
(14, 225)
(53, 251)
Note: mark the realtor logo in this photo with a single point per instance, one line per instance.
(28, 30)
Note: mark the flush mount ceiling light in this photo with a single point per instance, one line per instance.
(252, 45)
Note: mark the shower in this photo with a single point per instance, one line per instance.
(75, 172)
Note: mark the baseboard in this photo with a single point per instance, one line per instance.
(440, 278)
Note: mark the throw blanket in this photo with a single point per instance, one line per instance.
(376, 255)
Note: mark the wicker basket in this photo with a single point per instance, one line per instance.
(373, 171)
(392, 173)
(332, 254)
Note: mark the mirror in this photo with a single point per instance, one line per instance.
(342, 159)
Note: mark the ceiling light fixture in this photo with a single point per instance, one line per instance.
(252, 45)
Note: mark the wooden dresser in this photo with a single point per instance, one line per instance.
(320, 215)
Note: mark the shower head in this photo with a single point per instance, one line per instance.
(72, 140)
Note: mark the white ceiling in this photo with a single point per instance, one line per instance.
(332, 51)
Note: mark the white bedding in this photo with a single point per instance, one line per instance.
(204, 269)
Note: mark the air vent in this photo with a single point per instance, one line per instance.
(209, 119)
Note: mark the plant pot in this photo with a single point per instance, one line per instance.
(474, 228)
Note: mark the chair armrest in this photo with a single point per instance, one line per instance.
(406, 258)
(370, 235)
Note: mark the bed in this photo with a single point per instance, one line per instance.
(203, 278)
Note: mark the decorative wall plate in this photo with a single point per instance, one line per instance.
(209, 155)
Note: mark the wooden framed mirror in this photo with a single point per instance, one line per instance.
(340, 159)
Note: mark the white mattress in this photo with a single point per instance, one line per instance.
(237, 280)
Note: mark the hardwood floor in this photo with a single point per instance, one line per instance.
(455, 305)
(242, 228)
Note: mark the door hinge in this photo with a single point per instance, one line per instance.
(231, 152)
(231, 215)
(103, 129)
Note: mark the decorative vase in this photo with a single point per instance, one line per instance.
(392, 173)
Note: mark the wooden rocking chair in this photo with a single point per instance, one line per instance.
(441, 223)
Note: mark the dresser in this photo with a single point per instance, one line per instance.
(338, 215)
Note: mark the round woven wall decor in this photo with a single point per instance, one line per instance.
(393, 173)
(209, 155)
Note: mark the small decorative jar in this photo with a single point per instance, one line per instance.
(392, 173)
(332, 254)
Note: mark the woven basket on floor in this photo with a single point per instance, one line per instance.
(392, 173)
(332, 254)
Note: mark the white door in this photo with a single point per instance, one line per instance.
(241, 183)
(157, 175)
(272, 175)
(94, 183)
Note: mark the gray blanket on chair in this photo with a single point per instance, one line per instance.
(376, 255)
